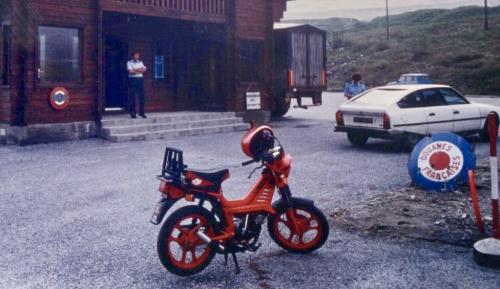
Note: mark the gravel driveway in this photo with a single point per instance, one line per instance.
(76, 215)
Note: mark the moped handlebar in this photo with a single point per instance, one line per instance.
(249, 162)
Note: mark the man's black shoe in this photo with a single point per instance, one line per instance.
(143, 116)
(133, 116)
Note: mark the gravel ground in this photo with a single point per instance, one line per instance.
(76, 215)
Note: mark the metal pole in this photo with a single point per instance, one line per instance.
(387, 17)
(486, 24)
(493, 136)
(475, 201)
(487, 251)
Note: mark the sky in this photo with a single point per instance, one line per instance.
(368, 9)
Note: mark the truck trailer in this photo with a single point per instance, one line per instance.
(299, 65)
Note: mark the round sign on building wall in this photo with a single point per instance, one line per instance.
(441, 163)
(59, 98)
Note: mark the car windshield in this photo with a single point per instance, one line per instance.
(381, 96)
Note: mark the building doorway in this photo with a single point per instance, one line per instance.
(115, 71)
(207, 66)
(186, 62)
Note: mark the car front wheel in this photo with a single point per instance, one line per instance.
(356, 139)
(484, 133)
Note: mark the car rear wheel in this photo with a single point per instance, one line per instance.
(357, 139)
(410, 141)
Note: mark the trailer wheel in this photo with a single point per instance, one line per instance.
(279, 113)
(281, 108)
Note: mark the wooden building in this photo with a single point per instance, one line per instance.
(201, 55)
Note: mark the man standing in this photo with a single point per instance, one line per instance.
(354, 87)
(136, 70)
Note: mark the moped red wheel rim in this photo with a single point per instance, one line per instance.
(304, 234)
(185, 250)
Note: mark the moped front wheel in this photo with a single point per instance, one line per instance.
(301, 229)
(180, 250)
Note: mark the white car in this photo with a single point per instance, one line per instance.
(407, 113)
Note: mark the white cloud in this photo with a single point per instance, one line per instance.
(367, 9)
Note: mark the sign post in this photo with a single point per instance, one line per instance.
(441, 163)
(253, 100)
(487, 251)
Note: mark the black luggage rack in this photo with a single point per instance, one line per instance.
(173, 165)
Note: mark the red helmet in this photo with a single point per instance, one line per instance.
(257, 140)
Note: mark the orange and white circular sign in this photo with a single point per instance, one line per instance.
(59, 98)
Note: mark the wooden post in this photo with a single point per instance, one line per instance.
(20, 22)
(486, 24)
(387, 18)
(99, 100)
(231, 55)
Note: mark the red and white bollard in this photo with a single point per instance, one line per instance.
(487, 251)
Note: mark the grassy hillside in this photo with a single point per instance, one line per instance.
(451, 45)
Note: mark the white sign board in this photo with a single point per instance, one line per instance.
(253, 100)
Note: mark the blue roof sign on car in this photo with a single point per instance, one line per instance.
(441, 163)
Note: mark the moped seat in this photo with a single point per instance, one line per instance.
(215, 177)
(206, 179)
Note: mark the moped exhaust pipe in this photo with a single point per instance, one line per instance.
(210, 242)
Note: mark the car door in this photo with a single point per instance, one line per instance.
(466, 116)
(411, 115)
(439, 114)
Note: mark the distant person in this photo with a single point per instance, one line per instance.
(136, 70)
(354, 87)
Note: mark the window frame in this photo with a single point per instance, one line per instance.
(163, 75)
(457, 93)
(165, 48)
(81, 37)
(427, 98)
(424, 101)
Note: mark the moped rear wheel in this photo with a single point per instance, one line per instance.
(309, 232)
(180, 250)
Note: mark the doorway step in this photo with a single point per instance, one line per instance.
(122, 128)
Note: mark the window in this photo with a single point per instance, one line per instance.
(452, 97)
(434, 98)
(251, 61)
(5, 54)
(59, 55)
(381, 96)
(159, 67)
(163, 61)
(413, 100)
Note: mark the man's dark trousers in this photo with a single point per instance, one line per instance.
(136, 89)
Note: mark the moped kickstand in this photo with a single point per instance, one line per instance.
(235, 259)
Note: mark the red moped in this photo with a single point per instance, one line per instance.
(192, 235)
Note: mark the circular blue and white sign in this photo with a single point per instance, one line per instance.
(441, 163)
